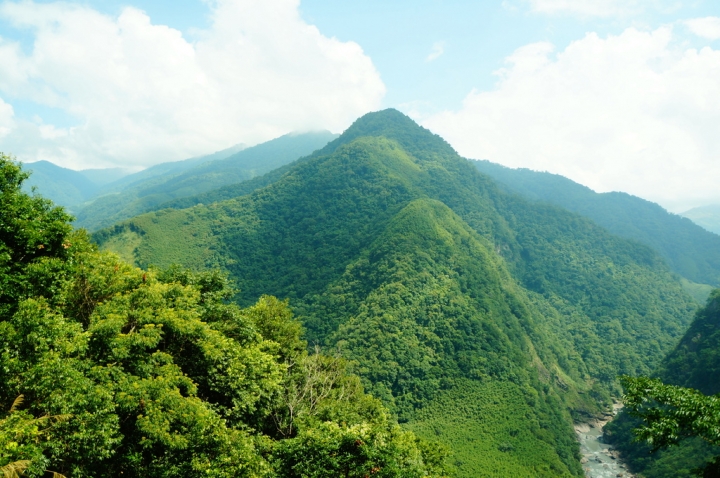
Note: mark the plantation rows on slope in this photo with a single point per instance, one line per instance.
(437, 284)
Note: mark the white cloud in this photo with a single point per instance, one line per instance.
(630, 112)
(143, 94)
(708, 27)
(438, 49)
(6, 120)
(592, 8)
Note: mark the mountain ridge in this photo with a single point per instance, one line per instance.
(690, 250)
(169, 181)
(366, 235)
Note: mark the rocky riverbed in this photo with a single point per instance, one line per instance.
(599, 459)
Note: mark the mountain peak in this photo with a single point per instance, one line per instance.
(392, 124)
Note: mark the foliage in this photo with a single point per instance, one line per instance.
(332, 449)
(691, 370)
(424, 273)
(20, 442)
(152, 193)
(493, 429)
(690, 250)
(155, 373)
(31, 229)
(670, 414)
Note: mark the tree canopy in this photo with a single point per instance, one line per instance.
(670, 414)
(109, 370)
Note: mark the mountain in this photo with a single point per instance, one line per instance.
(72, 189)
(694, 363)
(705, 216)
(690, 250)
(482, 319)
(63, 186)
(150, 189)
(101, 177)
(112, 371)
(171, 168)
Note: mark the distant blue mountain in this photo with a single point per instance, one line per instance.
(160, 184)
(63, 186)
(705, 216)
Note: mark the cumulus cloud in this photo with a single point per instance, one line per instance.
(631, 112)
(142, 93)
(437, 50)
(708, 27)
(6, 118)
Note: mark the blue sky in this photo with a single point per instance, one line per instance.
(476, 36)
(618, 95)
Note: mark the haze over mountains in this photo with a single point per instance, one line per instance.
(99, 198)
(68, 187)
(705, 216)
(151, 188)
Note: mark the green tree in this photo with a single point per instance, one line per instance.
(21, 441)
(157, 373)
(31, 229)
(670, 414)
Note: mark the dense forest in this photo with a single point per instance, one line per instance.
(689, 250)
(481, 319)
(693, 364)
(150, 189)
(110, 370)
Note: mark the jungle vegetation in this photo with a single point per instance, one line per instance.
(109, 370)
(675, 418)
(151, 188)
(480, 319)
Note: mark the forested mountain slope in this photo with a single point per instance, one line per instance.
(705, 216)
(170, 169)
(107, 370)
(690, 250)
(67, 187)
(694, 363)
(146, 190)
(479, 317)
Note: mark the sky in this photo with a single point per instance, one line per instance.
(618, 95)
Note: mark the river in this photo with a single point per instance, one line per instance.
(599, 459)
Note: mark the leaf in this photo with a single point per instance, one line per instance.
(17, 403)
(14, 469)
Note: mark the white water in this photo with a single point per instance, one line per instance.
(599, 459)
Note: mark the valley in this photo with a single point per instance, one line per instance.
(480, 312)
(425, 273)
